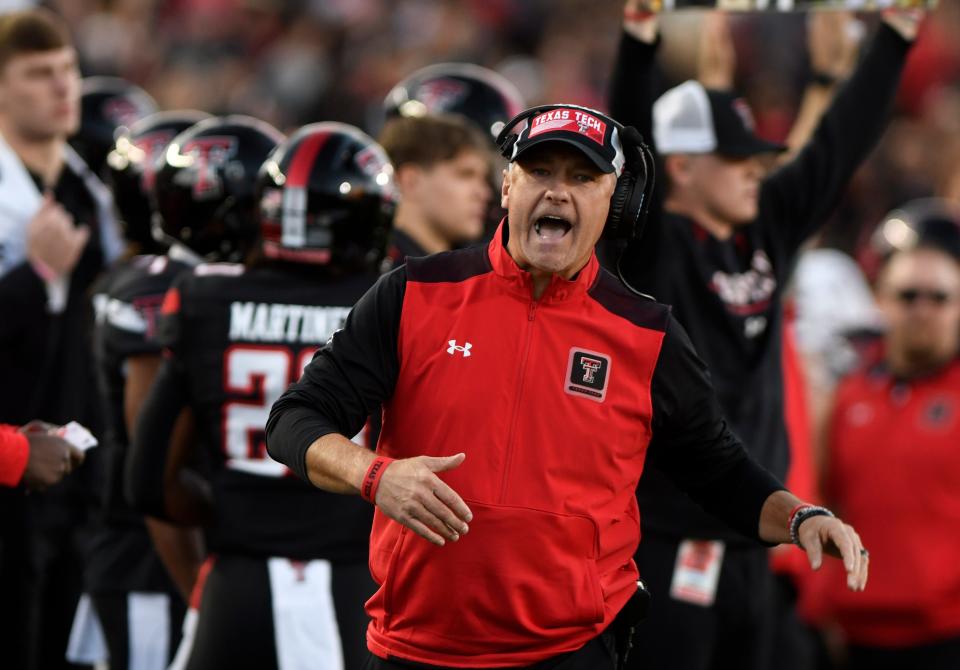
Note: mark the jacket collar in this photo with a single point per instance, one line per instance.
(560, 289)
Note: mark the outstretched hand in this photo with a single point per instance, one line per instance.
(640, 20)
(412, 494)
(833, 41)
(823, 534)
(905, 21)
(717, 59)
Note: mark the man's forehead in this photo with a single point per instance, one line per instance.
(922, 265)
(29, 59)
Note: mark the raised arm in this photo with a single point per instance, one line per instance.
(833, 42)
(798, 197)
(632, 82)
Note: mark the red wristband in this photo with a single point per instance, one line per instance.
(371, 480)
(631, 16)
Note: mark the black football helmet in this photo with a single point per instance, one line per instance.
(204, 186)
(930, 222)
(482, 95)
(132, 168)
(106, 104)
(326, 197)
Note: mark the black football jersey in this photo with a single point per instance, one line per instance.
(127, 303)
(238, 337)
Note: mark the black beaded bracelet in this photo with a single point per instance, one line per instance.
(802, 515)
(825, 79)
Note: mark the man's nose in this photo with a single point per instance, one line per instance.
(62, 83)
(557, 191)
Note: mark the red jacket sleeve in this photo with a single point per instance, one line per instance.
(14, 452)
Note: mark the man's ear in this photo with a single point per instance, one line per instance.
(505, 188)
(677, 167)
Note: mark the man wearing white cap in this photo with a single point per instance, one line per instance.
(720, 253)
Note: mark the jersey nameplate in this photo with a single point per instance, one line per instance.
(265, 322)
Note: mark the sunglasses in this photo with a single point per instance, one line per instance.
(909, 296)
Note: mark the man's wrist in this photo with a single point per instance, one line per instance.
(335, 463)
(824, 79)
(801, 513)
(372, 478)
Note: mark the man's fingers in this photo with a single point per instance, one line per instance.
(76, 456)
(443, 463)
(864, 571)
(451, 499)
(844, 543)
(814, 551)
(858, 578)
(37, 426)
(454, 527)
(423, 531)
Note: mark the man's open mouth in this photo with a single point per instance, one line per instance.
(551, 227)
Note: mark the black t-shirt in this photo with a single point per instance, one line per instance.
(237, 338)
(401, 245)
(727, 293)
(127, 302)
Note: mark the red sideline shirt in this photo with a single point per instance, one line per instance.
(895, 476)
(14, 453)
(557, 403)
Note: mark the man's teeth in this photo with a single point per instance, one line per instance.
(552, 227)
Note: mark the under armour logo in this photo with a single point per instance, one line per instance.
(590, 367)
(454, 347)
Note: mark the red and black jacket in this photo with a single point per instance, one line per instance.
(555, 402)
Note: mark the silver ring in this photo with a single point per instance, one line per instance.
(864, 553)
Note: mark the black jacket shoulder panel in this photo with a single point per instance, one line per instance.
(640, 310)
(449, 266)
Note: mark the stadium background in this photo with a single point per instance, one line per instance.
(291, 63)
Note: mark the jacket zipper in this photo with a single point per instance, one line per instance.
(508, 459)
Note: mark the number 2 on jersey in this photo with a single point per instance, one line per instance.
(260, 373)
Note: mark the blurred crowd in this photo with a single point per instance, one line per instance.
(291, 63)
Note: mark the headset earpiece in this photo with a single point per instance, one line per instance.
(630, 200)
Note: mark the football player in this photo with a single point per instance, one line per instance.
(107, 105)
(441, 125)
(134, 597)
(281, 588)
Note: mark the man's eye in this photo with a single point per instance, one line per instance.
(539, 172)
(584, 178)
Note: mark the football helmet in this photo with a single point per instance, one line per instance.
(326, 196)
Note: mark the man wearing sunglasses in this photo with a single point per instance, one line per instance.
(896, 429)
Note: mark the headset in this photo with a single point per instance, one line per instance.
(631, 197)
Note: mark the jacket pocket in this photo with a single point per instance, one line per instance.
(519, 578)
